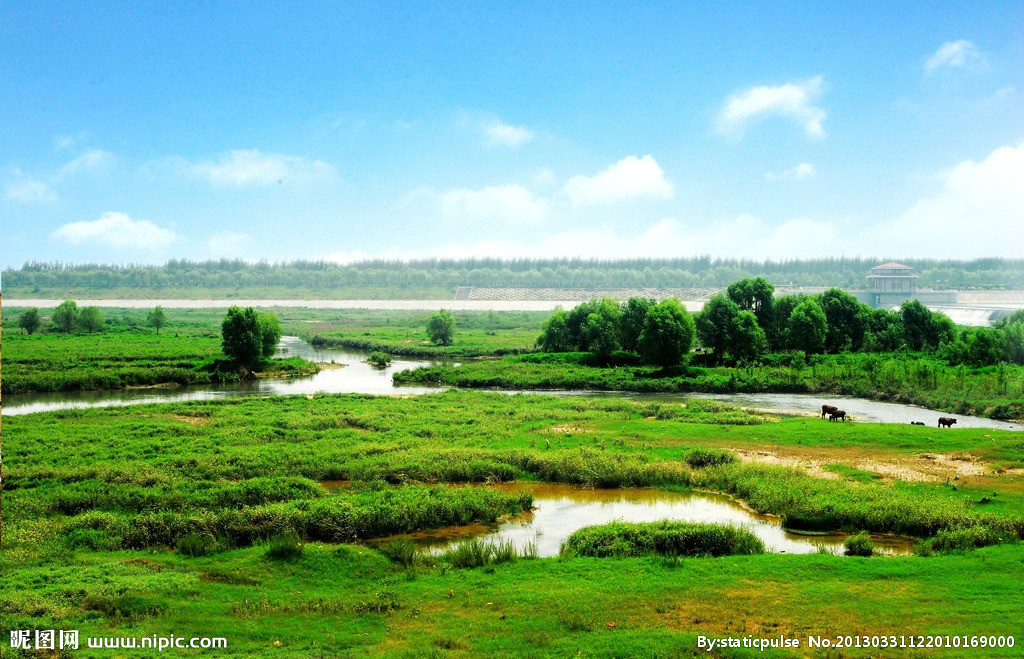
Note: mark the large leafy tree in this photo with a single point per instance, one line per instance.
(747, 340)
(631, 322)
(846, 318)
(441, 327)
(668, 334)
(807, 327)
(29, 320)
(91, 319)
(248, 337)
(755, 295)
(554, 335)
(715, 322)
(65, 317)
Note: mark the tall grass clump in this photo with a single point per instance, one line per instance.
(859, 545)
(665, 538)
(478, 553)
(285, 547)
(700, 458)
(401, 551)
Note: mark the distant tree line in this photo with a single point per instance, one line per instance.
(748, 321)
(525, 273)
(68, 318)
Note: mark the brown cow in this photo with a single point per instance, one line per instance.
(946, 421)
(827, 409)
(838, 414)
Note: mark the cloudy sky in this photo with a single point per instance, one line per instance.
(138, 132)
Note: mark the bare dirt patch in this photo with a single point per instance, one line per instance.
(926, 467)
(193, 420)
(567, 429)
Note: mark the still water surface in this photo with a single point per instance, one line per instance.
(561, 509)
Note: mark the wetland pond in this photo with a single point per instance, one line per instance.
(561, 509)
(346, 371)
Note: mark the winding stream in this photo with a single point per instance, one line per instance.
(347, 371)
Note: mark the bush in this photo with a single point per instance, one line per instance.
(859, 545)
(379, 359)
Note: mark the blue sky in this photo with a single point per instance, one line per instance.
(139, 132)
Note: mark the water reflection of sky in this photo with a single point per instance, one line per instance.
(561, 509)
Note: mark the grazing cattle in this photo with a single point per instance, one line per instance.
(917, 423)
(946, 421)
(837, 414)
(827, 409)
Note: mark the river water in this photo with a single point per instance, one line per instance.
(347, 371)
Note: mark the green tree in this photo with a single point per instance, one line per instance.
(270, 334)
(846, 320)
(156, 318)
(631, 322)
(554, 336)
(248, 337)
(29, 320)
(91, 319)
(916, 320)
(668, 334)
(1013, 343)
(807, 327)
(441, 327)
(65, 317)
(747, 341)
(755, 295)
(715, 322)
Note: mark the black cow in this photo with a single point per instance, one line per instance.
(917, 423)
(946, 421)
(827, 409)
(837, 414)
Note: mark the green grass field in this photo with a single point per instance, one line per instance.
(175, 518)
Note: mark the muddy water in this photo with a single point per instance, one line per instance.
(561, 509)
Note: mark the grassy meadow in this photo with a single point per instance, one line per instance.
(208, 519)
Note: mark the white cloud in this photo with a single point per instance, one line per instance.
(630, 178)
(798, 173)
(116, 230)
(978, 212)
(229, 244)
(745, 236)
(512, 204)
(954, 55)
(791, 100)
(242, 168)
(27, 190)
(94, 161)
(501, 134)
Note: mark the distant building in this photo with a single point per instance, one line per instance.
(891, 284)
(892, 277)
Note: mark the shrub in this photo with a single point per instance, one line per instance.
(379, 359)
(859, 545)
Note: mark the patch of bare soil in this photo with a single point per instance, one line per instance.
(926, 467)
(563, 429)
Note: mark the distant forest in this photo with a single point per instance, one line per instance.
(438, 278)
